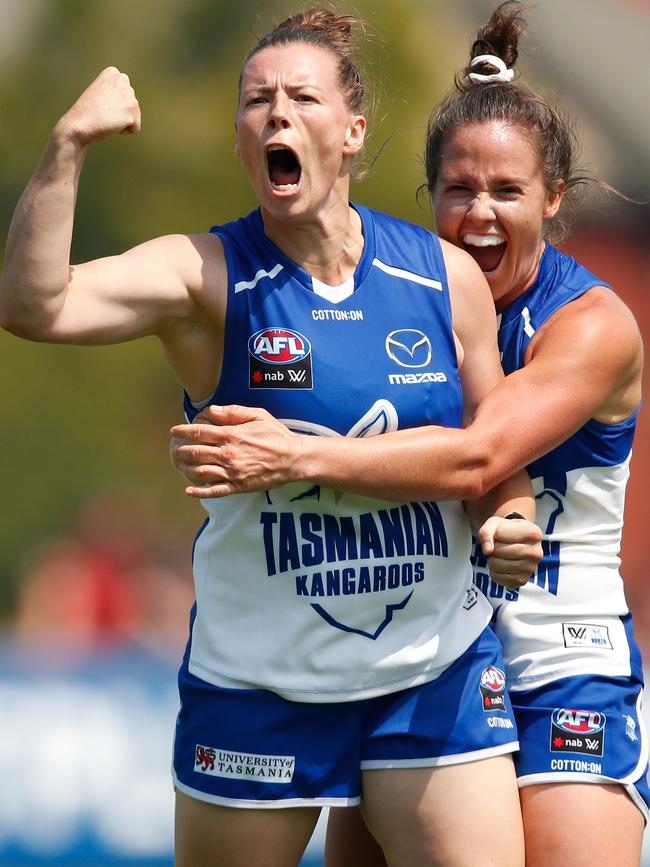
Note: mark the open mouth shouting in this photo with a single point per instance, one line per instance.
(283, 169)
(486, 250)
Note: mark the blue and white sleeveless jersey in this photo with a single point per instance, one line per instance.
(313, 593)
(568, 619)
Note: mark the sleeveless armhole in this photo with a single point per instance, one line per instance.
(606, 432)
(191, 407)
(440, 268)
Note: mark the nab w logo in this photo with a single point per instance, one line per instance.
(279, 358)
(577, 632)
(492, 688)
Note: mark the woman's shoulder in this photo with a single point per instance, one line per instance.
(562, 271)
(390, 224)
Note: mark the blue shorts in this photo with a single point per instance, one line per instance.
(252, 748)
(585, 729)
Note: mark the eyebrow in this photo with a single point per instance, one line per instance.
(468, 180)
(510, 179)
(299, 85)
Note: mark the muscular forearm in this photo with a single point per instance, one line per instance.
(234, 449)
(434, 462)
(416, 464)
(37, 259)
(37, 275)
(512, 495)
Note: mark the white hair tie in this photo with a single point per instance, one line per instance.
(504, 74)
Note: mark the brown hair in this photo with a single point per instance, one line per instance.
(552, 134)
(323, 27)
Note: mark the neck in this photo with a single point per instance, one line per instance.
(328, 246)
(500, 304)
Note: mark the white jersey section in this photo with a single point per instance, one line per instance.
(312, 630)
(566, 621)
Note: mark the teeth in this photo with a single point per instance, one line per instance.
(284, 186)
(482, 240)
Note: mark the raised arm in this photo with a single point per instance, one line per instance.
(44, 297)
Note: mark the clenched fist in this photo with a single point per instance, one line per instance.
(106, 108)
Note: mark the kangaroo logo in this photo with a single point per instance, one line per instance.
(344, 608)
(380, 418)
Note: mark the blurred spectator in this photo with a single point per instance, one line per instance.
(106, 587)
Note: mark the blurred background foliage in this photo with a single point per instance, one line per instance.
(79, 421)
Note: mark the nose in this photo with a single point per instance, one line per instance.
(279, 112)
(481, 207)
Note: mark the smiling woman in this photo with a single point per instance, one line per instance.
(502, 207)
(494, 207)
(338, 650)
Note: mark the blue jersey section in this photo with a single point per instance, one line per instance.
(561, 279)
(325, 364)
(359, 596)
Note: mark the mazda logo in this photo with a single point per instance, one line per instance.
(409, 347)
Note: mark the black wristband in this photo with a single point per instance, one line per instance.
(513, 516)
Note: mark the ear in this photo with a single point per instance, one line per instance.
(355, 136)
(554, 197)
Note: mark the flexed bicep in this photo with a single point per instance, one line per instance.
(131, 295)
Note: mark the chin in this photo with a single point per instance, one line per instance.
(284, 208)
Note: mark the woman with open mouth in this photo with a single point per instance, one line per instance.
(500, 161)
(339, 650)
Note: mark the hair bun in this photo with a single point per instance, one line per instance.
(495, 49)
(503, 74)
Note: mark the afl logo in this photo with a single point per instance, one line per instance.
(493, 679)
(578, 722)
(409, 347)
(279, 346)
